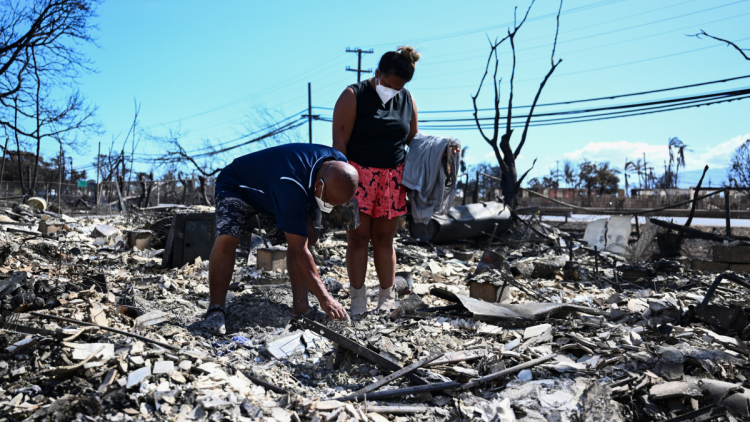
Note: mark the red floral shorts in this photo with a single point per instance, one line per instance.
(380, 192)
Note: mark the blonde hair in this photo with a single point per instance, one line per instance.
(409, 54)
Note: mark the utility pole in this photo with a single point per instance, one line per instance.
(60, 177)
(98, 166)
(359, 69)
(2, 170)
(309, 110)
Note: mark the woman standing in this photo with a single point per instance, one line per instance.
(373, 121)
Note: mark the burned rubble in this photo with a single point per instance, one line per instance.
(529, 324)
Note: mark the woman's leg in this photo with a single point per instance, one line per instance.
(356, 251)
(383, 231)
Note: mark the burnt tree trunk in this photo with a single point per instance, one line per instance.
(510, 182)
(203, 181)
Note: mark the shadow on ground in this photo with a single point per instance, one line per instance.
(265, 308)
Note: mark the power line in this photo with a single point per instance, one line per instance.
(569, 31)
(609, 44)
(616, 107)
(601, 113)
(608, 97)
(502, 25)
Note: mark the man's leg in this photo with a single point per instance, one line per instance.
(231, 219)
(221, 267)
(383, 232)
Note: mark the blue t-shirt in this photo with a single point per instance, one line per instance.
(278, 181)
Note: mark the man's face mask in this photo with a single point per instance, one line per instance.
(324, 206)
(385, 93)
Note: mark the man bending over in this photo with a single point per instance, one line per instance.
(288, 182)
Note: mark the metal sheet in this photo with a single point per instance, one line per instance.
(464, 222)
(485, 311)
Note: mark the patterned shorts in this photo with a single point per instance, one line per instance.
(380, 192)
(236, 217)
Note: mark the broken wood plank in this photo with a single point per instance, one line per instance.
(692, 233)
(107, 381)
(444, 294)
(708, 413)
(461, 356)
(401, 392)
(355, 347)
(396, 409)
(114, 330)
(64, 370)
(508, 371)
(398, 374)
(265, 384)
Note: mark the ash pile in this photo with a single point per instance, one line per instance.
(101, 321)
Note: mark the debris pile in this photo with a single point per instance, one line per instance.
(534, 326)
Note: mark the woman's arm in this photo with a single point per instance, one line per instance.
(414, 125)
(344, 115)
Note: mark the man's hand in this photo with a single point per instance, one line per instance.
(334, 309)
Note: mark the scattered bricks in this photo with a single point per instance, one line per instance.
(709, 266)
(732, 254)
(740, 268)
(136, 377)
(139, 239)
(105, 231)
(488, 292)
(272, 259)
(163, 367)
(46, 228)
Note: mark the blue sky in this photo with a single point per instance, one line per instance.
(212, 71)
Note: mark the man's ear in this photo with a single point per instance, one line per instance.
(316, 187)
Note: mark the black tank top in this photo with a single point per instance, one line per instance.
(380, 130)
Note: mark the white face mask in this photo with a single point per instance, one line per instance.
(385, 93)
(324, 206)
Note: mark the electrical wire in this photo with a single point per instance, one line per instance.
(600, 113)
(608, 97)
(498, 26)
(582, 50)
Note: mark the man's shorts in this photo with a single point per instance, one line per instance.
(237, 218)
(380, 192)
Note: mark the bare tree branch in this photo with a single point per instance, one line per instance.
(505, 155)
(729, 43)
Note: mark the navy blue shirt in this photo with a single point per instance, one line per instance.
(278, 181)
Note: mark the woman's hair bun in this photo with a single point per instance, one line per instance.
(409, 54)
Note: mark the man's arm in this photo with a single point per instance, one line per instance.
(301, 258)
(344, 115)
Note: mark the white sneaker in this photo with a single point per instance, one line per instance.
(387, 299)
(359, 300)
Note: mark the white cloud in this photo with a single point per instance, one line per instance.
(617, 151)
(718, 156)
